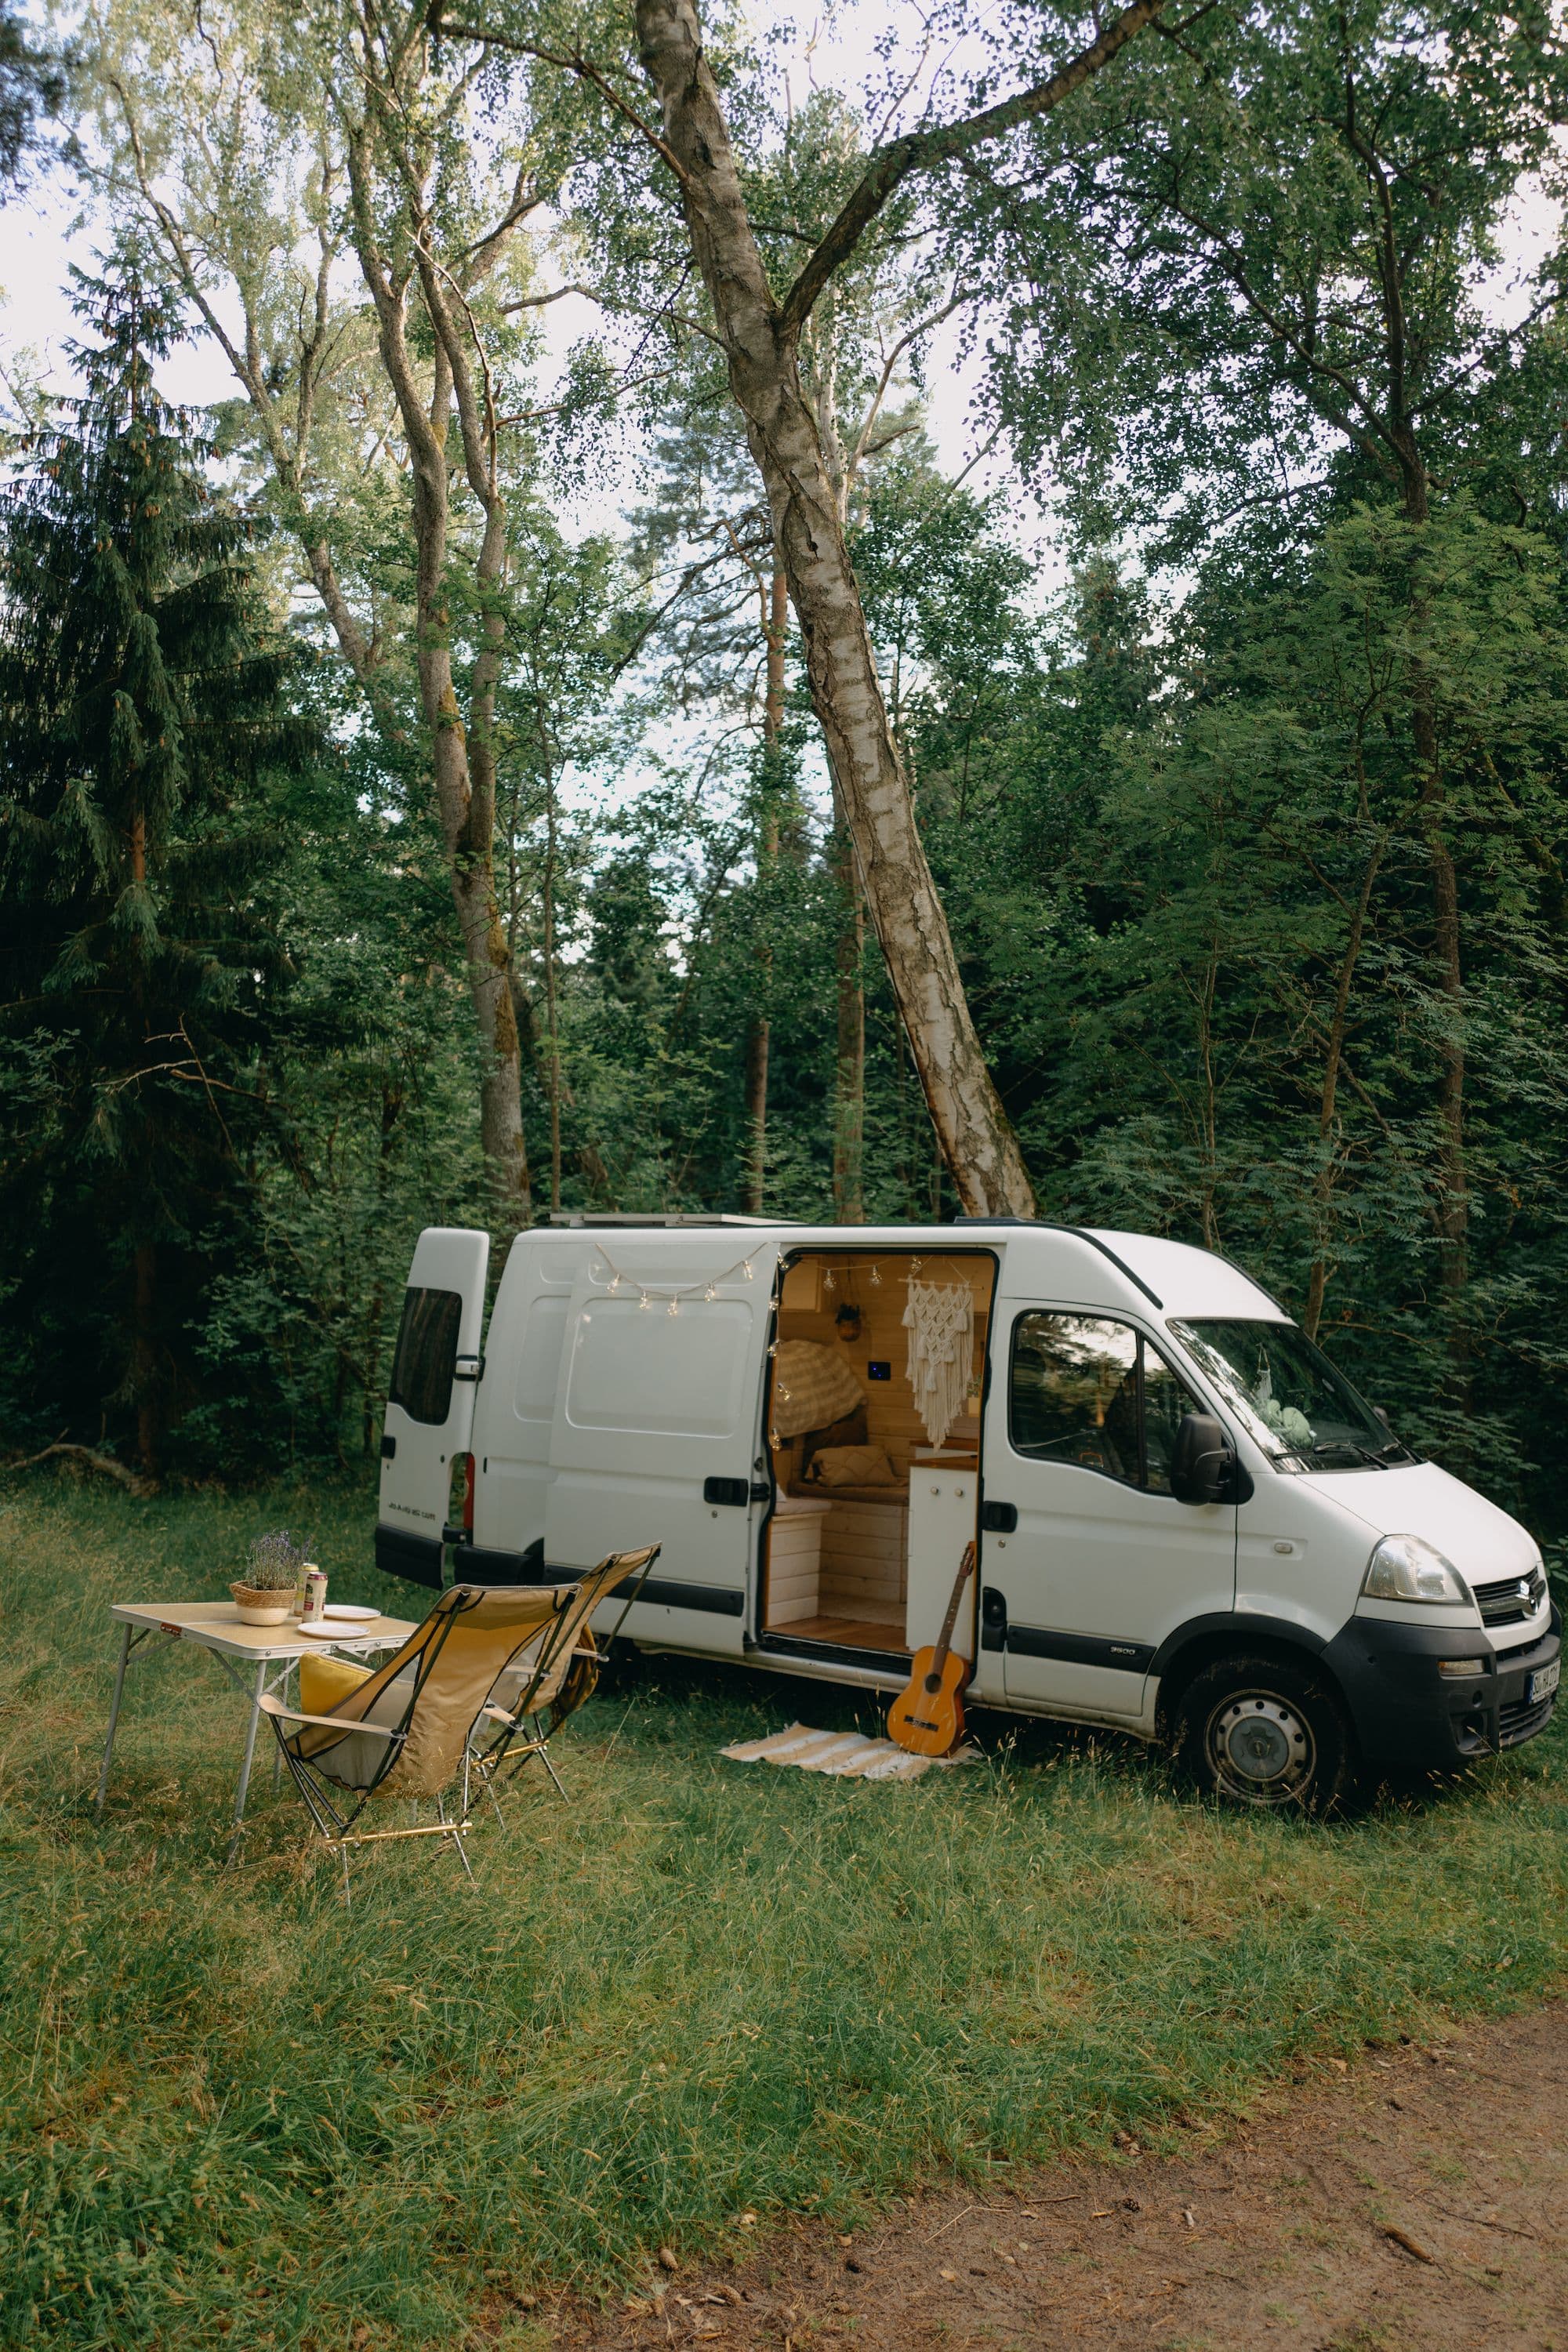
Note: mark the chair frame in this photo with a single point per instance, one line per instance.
(486, 1764)
(338, 1825)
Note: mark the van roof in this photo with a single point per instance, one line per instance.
(1117, 1268)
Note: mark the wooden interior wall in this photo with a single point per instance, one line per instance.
(808, 1312)
(864, 1551)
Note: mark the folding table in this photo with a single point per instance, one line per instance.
(214, 1626)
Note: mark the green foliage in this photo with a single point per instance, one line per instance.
(232, 2109)
(144, 972)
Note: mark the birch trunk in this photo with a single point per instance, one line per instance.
(465, 786)
(976, 1137)
(759, 1029)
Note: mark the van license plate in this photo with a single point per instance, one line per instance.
(1544, 1681)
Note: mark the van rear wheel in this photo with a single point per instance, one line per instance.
(1258, 1733)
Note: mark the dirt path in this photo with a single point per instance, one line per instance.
(1416, 2203)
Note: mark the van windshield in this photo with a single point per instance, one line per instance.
(1290, 1398)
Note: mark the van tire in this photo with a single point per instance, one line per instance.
(1266, 1735)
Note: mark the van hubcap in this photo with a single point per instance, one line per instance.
(1259, 1749)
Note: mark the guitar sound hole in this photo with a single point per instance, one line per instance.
(934, 1682)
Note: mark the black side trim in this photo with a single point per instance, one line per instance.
(1079, 1233)
(476, 1564)
(668, 1592)
(416, 1559)
(1079, 1649)
(1240, 1625)
(836, 1653)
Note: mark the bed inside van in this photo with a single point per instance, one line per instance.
(875, 1473)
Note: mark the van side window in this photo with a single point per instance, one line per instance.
(1089, 1390)
(426, 1354)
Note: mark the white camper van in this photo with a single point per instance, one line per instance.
(1189, 1524)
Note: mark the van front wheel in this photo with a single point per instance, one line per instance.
(1258, 1733)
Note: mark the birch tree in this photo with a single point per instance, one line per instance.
(350, 243)
(759, 328)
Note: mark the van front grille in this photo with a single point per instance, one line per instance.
(1521, 1720)
(1512, 1600)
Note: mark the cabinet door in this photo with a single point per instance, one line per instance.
(942, 1522)
(1103, 1562)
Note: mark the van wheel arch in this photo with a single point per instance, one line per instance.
(1195, 1652)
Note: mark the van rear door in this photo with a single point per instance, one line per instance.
(430, 1402)
(657, 1422)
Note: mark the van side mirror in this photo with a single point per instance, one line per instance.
(1204, 1469)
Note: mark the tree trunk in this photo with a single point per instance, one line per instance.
(976, 1137)
(551, 993)
(759, 1027)
(1453, 1219)
(850, 1074)
(1323, 1181)
(465, 787)
(145, 1367)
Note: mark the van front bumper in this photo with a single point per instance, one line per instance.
(1405, 1711)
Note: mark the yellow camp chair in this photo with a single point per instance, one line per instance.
(551, 1676)
(403, 1732)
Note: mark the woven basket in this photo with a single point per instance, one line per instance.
(259, 1607)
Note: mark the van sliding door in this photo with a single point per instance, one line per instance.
(656, 1430)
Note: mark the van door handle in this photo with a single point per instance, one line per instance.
(735, 1491)
(999, 1519)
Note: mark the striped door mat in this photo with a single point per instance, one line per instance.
(843, 1754)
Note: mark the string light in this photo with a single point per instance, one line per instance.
(706, 1285)
(674, 1306)
(876, 1277)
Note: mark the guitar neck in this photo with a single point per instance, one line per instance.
(945, 1639)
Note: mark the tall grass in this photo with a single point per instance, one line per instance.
(231, 2111)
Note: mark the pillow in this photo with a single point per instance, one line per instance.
(325, 1682)
(853, 1465)
(812, 1386)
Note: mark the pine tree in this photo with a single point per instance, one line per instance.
(143, 721)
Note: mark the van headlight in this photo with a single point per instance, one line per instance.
(1407, 1568)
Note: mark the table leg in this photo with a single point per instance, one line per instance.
(113, 1718)
(250, 1742)
(277, 1750)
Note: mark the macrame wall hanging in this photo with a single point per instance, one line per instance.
(940, 1319)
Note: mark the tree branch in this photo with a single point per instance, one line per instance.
(918, 151)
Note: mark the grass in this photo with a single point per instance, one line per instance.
(231, 2112)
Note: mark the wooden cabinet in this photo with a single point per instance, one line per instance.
(942, 1505)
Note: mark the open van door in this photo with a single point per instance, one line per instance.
(430, 1399)
(657, 1432)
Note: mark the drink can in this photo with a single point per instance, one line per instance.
(315, 1607)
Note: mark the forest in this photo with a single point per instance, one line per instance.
(483, 765)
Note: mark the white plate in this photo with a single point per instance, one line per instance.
(348, 1609)
(329, 1632)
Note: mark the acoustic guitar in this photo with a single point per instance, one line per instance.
(928, 1717)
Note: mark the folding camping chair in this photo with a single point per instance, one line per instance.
(403, 1730)
(549, 1676)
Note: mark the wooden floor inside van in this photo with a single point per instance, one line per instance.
(848, 1632)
